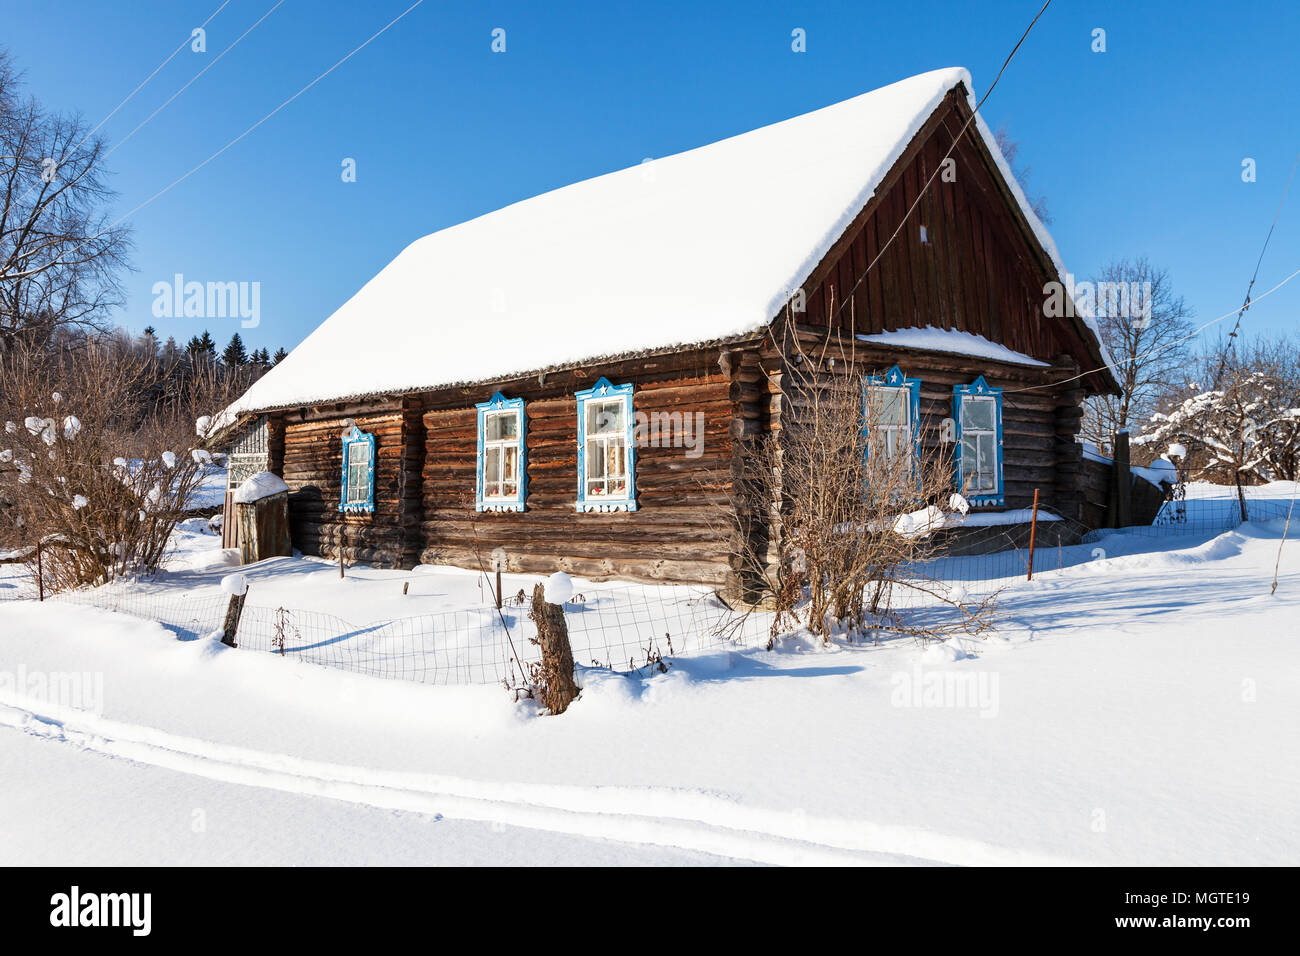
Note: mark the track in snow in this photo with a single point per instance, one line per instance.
(646, 816)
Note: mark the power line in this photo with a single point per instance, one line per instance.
(1186, 338)
(215, 60)
(250, 129)
(176, 182)
(113, 112)
(172, 56)
(1232, 336)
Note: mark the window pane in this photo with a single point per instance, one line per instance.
(510, 471)
(595, 458)
(988, 460)
(606, 418)
(502, 425)
(970, 456)
(977, 413)
(491, 471)
(615, 459)
(887, 406)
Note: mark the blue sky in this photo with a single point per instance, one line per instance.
(1138, 150)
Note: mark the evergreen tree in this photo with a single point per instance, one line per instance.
(235, 353)
(206, 345)
(280, 356)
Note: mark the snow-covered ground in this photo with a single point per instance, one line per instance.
(1136, 707)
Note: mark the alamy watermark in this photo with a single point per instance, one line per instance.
(128, 910)
(975, 690)
(208, 300)
(1091, 300)
(670, 430)
(82, 690)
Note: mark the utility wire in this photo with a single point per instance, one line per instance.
(180, 179)
(846, 300)
(1232, 336)
(98, 126)
(1176, 342)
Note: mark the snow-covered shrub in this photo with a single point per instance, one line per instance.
(97, 481)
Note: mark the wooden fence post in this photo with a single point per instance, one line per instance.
(233, 611)
(1033, 527)
(236, 585)
(557, 687)
(1123, 482)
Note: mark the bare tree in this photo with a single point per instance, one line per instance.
(852, 509)
(1144, 326)
(1011, 152)
(60, 255)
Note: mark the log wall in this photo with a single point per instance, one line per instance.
(313, 470)
(680, 532)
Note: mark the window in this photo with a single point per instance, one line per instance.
(892, 408)
(978, 414)
(358, 492)
(606, 451)
(502, 472)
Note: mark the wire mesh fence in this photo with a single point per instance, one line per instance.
(623, 628)
(620, 628)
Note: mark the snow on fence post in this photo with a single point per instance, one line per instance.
(557, 689)
(236, 585)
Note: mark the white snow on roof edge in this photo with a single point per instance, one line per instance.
(677, 252)
(931, 339)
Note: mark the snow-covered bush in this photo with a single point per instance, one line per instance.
(1250, 427)
(95, 480)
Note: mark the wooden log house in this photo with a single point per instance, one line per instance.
(483, 391)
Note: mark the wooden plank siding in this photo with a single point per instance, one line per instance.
(980, 270)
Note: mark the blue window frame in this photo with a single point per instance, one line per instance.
(501, 469)
(977, 412)
(606, 448)
(894, 401)
(358, 491)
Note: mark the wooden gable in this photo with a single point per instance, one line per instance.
(979, 269)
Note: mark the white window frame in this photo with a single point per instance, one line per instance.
(605, 393)
(979, 391)
(354, 496)
(499, 405)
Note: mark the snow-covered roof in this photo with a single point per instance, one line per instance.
(700, 246)
(951, 341)
(264, 484)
